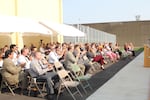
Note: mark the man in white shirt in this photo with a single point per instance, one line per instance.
(25, 62)
(53, 57)
(23, 58)
(13, 47)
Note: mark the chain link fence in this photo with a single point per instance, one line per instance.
(91, 35)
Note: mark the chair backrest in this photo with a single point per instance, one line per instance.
(6, 84)
(63, 73)
(79, 74)
(58, 65)
(32, 73)
(33, 83)
(75, 68)
(80, 77)
(85, 57)
(68, 82)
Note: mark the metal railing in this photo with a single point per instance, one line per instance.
(91, 35)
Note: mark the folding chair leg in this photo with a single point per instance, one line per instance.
(10, 88)
(39, 90)
(43, 88)
(79, 92)
(83, 88)
(29, 88)
(71, 93)
(1, 87)
(87, 85)
(36, 86)
(93, 69)
(59, 90)
(91, 88)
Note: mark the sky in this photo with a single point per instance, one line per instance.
(101, 11)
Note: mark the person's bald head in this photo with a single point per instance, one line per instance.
(38, 55)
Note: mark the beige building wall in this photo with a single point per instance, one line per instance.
(5, 39)
(7, 7)
(50, 10)
(40, 9)
(136, 32)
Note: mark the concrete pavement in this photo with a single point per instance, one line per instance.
(131, 83)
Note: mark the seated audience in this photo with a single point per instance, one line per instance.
(10, 71)
(53, 55)
(117, 50)
(107, 50)
(126, 49)
(14, 48)
(70, 59)
(1, 59)
(45, 72)
(25, 62)
(131, 48)
(81, 60)
(94, 56)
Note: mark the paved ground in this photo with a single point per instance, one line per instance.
(97, 82)
(130, 83)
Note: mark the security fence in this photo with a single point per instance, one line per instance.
(91, 35)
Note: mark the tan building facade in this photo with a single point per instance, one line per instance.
(50, 10)
(136, 32)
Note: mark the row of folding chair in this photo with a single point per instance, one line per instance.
(4, 84)
(79, 76)
(11, 88)
(33, 84)
(67, 80)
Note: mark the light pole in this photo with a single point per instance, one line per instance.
(137, 17)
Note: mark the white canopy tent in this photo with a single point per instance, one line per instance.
(22, 26)
(63, 29)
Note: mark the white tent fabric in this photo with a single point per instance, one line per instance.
(23, 25)
(63, 29)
